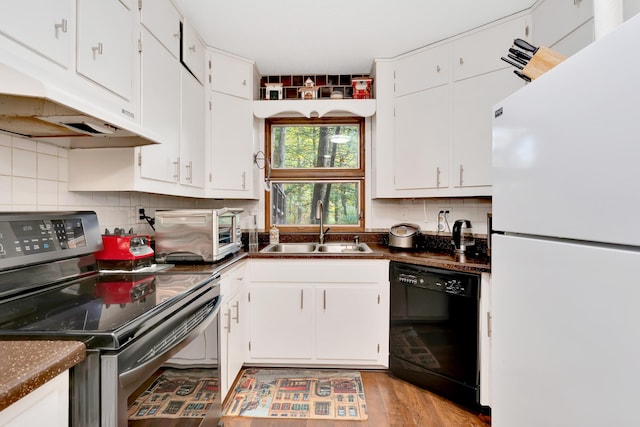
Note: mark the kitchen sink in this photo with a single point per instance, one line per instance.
(344, 248)
(314, 248)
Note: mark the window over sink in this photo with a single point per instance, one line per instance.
(318, 159)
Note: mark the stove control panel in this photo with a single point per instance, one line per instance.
(40, 236)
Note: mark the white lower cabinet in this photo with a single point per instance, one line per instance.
(50, 401)
(224, 343)
(319, 312)
(233, 325)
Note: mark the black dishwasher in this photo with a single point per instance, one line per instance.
(434, 331)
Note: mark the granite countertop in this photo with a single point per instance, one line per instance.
(431, 258)
(26, 365)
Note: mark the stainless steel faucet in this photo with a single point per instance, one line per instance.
(319, 215)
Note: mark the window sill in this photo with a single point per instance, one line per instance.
(313, 108)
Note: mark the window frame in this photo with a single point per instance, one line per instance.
(317, 174)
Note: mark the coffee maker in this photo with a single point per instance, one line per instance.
(462, 235)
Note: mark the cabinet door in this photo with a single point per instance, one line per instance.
(473, 101)
(231, 144)
(422, 136)
(192, 132)
(105, 45)
(281, 322)
(160, 110)
(236, 338)
(480, 52)
(422, 70)
(555, 19)
(349, 322)
(46, 26)
(230, 75)
(162, 20)
(193, 54)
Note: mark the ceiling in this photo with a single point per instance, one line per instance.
(334, 36)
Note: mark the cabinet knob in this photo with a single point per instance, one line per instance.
(97, 50)
(244, 83)
(62, 26)
(176, 35)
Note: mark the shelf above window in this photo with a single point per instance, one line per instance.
(314, 108)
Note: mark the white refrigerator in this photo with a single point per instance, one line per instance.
(565, 302)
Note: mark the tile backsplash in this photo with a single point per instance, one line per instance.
(34, 177)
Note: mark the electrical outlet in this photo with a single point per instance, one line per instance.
(444, 215)
(140, 214)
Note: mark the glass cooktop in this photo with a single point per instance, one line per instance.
(112, 305)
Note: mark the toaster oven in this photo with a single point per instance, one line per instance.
(197, 235)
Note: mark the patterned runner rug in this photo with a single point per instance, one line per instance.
(177, 393)
(298, 393)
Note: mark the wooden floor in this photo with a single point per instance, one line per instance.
(391, 402)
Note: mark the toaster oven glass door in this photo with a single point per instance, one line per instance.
(226, 229)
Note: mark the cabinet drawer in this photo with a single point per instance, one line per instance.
(422, 70)
(233, 278)
(480, 52)
(193, 54)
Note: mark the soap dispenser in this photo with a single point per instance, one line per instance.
(274, 235)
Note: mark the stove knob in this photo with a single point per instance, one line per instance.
(453, 286)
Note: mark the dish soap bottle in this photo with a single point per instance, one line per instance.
(274, 235)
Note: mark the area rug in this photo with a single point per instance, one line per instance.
(298, 393)
(177, 393)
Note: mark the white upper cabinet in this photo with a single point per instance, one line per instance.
(231, 145)
(422, 70)
(553, 20)
(162, 20)
(46, 26)
(422, 135)
(480, 52)
(106, 45)
(229, 75)
(471, 149)
(160, 110)
(192, 132)
(193, 52)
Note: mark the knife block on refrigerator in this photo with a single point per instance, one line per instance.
(542, 61)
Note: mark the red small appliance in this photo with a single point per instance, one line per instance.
(124, 251)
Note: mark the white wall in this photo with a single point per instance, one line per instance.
(33, 177)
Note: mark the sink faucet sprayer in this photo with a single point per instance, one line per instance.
(319, 209)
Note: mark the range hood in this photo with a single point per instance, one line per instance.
(31, 108)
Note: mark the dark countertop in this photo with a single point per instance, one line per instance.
(26, 365)
(431, 258)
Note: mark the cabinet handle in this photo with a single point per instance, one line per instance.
(461, 175)
(192, 48)
(244, 180)
(176, 175)
(577, 2)
(301, 299)
(176, 35)
(228, 327)
(437, 68)
(97, 49)
(489, 324)
(461, 61)
(244, 83)
(438, 177)
(62, 26)
(237, 306)
(324, 299)
(526, 30)
(189, 167)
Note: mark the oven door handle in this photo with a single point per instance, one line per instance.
(160, 346)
